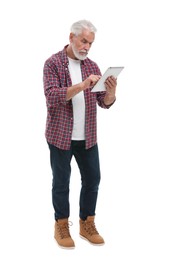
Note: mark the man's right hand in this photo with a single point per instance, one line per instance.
(90, 81)
(87, 83)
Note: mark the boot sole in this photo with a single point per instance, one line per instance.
(94, 244)
(65, 247)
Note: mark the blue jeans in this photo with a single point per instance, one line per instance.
(89, 167)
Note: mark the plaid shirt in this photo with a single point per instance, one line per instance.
(59, 122)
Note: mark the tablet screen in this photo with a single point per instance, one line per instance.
(111, 71)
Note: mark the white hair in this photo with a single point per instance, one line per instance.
(80, 25)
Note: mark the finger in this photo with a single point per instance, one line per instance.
(111, 80)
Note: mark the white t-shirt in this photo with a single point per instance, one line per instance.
(78, 102)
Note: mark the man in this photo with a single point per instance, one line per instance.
(69, 77)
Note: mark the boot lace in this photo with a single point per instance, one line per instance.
(64, 229)
(91, 228)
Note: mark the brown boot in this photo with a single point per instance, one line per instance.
(62, 234)
(89, 232)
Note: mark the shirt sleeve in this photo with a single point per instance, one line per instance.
(100, 100)
(55, 94)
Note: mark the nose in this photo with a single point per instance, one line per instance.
(87, 46)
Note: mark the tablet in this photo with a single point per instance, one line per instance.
(111, 71)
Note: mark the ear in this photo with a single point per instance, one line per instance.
(71, 37)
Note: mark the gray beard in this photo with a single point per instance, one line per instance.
(77, 55)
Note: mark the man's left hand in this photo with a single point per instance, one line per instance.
(110, 85)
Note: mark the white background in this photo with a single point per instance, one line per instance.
(134, 210)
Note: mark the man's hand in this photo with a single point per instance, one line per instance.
(87, 83)
(90, 81)
(110, 84)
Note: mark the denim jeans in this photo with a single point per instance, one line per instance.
(89, 167)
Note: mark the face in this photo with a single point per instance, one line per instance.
(81, 44)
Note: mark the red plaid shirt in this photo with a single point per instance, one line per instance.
(59, 122)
